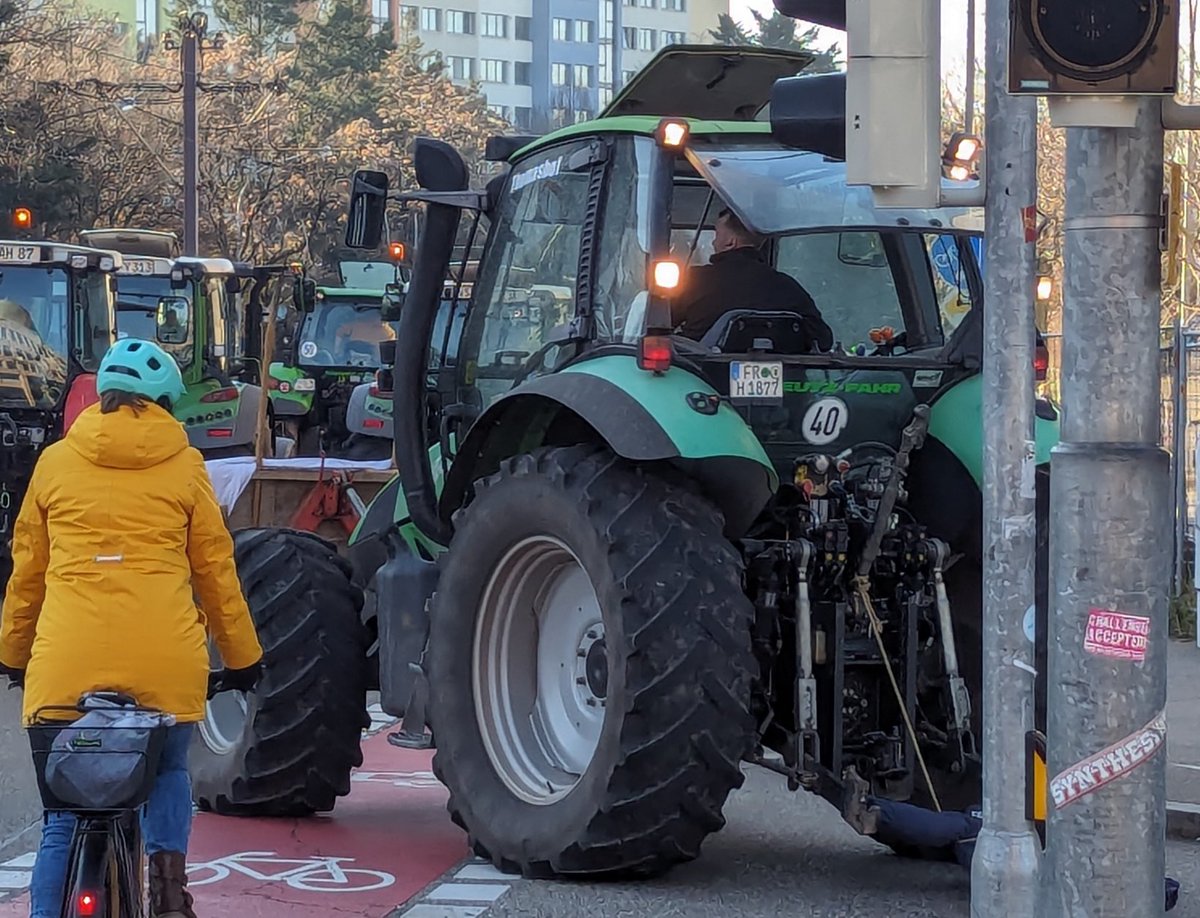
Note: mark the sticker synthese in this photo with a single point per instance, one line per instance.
(841, 386)
(1109, 763)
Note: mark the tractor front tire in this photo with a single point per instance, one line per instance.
(288, 748)
(590, 667)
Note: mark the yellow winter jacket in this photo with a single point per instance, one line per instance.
(118, 531)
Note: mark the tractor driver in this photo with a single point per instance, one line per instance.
(738, 277)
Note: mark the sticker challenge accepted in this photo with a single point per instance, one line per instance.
(1117, 635)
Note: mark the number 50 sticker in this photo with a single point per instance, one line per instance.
(824, 420)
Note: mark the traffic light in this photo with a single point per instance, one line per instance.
(1093, 47)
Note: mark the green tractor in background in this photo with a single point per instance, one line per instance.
(196, 309)
(618, 564)
(324, 391)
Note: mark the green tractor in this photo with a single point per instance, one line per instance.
(617, 563)
(195, 309)
(324, 391)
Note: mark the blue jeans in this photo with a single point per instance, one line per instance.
(166, 825)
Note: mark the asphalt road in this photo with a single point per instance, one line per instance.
(785, 854)
(20, 806)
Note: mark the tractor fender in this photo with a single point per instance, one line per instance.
(673, 416)
(955, 420)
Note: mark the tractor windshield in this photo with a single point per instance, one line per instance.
(344, 332)
(35, 311)
(137, 306)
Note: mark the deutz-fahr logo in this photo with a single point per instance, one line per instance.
(835, 386)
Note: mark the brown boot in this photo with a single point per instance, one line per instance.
(169, 897)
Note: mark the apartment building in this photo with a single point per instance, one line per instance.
(545, 63)
(540, 63)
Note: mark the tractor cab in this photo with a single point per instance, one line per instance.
(710, 447)
(193, 308)
(56, 323)
(340, 344)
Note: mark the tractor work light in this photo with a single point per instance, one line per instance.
(960, 159)
(78, 261)
(654, 353)
(23, 218)
(107, 263)
(1045, 287)
(672, 134)
(667, 274)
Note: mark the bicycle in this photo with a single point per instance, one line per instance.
(105, 862)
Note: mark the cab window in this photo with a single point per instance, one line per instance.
(527, 285)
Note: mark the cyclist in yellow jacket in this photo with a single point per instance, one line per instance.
(118, 531)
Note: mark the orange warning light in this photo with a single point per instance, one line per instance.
(397, 251)
(22, 218)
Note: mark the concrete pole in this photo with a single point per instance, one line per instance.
(1005, 866)
(189, 54)
(1111, 498)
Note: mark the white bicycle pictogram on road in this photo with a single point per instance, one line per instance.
(411, 779)
(313, 874)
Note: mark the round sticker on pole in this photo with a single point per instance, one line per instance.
(825, 420)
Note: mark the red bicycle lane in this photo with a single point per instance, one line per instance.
(383, 843)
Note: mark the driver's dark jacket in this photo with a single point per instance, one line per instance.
(741, 279)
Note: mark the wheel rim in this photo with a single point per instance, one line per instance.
(224, 716)
(540, 724)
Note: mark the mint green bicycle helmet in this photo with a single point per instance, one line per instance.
(142, 368)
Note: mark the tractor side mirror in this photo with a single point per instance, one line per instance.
(393, 303)
(368, 207)
(304, 294)
(387, 353)
(172, 319)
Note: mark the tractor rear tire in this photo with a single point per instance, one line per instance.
(619, 579)
(293, 751)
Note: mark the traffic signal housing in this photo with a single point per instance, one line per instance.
(1093, 47)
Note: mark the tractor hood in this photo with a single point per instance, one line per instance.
(708, 82)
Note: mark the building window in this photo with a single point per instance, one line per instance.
(559, 117)
(673, 38)
(582, 115)
(493, 71)
(561, 29)
(521, 28)
(677, 5)
(606, 96)
(648, 4)
(605, 70)
(628, 38)
(493, 25)
(460, 67)
(410, 17)
(523, 117)
(501, 110)
(583, 76)
(585, 31)
(521, 73)
(382, 14)
(460, 23)
(430, 18)
(645, 39)
(627, 75)
(558, 74)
